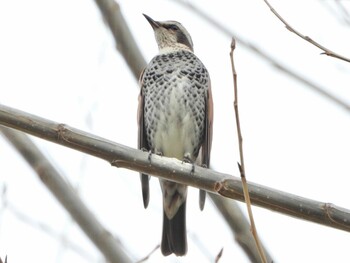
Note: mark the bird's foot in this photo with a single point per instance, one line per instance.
(187, 159)
(144, 149)
(159, 153)
(150, 156)
(149, 153)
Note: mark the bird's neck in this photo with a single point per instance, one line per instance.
(174, 48)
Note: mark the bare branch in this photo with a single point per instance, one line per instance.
(126, 44)
(327, 51)
(313, 86)
(175, 170)
(65, 193)
(241, 155)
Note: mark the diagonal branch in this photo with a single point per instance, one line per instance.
(174, 170)
(241, 165)
(327, 51)
(125, 42)
(66, 195)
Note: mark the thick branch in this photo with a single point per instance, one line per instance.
(175, 170)
(67, 196)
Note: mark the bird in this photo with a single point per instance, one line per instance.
(175, 119)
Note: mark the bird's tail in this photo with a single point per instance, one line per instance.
(174, 233)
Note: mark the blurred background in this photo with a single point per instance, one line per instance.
(58, 60)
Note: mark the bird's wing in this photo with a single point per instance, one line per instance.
(142, 143)
(208, 134)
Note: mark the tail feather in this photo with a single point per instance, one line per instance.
(145, 188)
(174, 233)
(202, 195)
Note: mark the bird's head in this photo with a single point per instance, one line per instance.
(170, 35)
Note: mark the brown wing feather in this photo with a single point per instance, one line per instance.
(206, 146)
(142, 144)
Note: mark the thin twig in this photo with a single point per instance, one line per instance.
(149, 255)
(241, 156)
(267, 57)
(219, 255)
(327, 51)
(174, 170)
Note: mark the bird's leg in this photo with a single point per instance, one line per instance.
(187, 159)
(149, 155)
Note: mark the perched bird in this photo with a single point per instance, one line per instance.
(175, 118)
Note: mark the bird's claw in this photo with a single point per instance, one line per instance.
(187, 159)
(144, 149)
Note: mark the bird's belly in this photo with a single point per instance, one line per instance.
(176, 130)
(176, 137)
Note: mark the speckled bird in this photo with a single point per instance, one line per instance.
(175, 119)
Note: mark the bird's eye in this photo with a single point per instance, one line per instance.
(173, 27)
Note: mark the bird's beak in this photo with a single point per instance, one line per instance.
(153, 23)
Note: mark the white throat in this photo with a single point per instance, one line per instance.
(170, 49)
